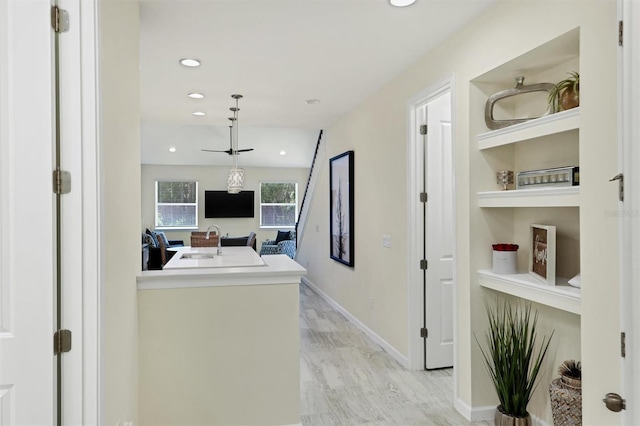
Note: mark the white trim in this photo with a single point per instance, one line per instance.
(487, 413)
(477, 414)
(414, 169)
(93, 395)
(629, 231)
(366, 330)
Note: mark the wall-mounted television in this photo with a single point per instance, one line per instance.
(222, 204)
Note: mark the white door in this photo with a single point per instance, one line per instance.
(438, 233)
(27, 268)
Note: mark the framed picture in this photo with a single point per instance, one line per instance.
(341, 208)
(542, 255)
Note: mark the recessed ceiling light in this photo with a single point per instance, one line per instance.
(196, 95)
(190, 62)
(401, 3)
(198, 113)
(312, 101)
(283, 152)
(172, 149)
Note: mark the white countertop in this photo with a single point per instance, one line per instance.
(197, 257)
(266, 270)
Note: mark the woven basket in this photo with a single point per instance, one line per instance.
(566, 403)
(198, 239)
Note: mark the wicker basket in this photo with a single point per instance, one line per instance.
(199, 239)
(566, 403)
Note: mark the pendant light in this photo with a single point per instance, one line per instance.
(236, 175)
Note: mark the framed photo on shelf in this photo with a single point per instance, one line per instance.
(542, 253)
(341, 208)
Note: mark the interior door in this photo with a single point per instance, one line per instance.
(27, 268)
(439, 233)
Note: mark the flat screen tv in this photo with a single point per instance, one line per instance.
(222, 204)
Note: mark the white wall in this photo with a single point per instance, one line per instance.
(215, 178)
(376, 130)
(120, 146)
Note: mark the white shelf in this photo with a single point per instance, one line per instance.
(561, 296)
(564, 196)
(550, 124)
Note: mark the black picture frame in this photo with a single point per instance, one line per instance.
(341, 209)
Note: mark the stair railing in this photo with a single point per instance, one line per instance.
(302, 214)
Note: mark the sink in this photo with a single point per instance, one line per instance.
(197, 256)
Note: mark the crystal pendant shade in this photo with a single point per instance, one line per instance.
(235, 181)
(236, 175)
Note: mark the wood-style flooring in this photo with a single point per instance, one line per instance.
(347, 379)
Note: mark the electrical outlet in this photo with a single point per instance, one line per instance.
(386, 241)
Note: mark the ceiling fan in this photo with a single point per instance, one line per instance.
(234, 122)
(229, 151)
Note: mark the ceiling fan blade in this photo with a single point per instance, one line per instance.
(228, 151)
(245, 150)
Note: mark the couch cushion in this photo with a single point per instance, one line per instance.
(153, 238)
(147, 239)
(283, 235)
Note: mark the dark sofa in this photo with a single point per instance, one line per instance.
(249, 240)
(158, 244)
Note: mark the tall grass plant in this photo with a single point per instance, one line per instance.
(511, 357)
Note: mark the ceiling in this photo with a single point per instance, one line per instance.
(277, 54)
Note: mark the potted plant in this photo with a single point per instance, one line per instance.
(565, 94)
(571, 373)
(512, 360)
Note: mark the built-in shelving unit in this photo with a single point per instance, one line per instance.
(540, 143)
(548, 125)
(566, 196)
(560, 296)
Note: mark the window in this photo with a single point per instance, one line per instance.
(177, 205)
(278, 204)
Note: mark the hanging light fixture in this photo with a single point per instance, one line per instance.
(236, 175)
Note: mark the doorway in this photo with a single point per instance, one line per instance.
(431, 230)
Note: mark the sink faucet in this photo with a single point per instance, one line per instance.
(219, 252)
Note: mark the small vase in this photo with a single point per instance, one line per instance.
(503, 419)
(569, 99)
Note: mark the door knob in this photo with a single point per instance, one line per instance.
(614, 402)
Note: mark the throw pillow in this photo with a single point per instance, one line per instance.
(153, 236)
(282, 236)
(146, 239)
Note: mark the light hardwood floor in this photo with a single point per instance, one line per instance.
(347, 379)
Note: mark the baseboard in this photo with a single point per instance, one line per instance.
(366, 330)
(477, 414)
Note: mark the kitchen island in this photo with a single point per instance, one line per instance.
(219, 339)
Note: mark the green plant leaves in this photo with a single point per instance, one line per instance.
(511, 357)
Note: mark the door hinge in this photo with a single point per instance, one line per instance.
(423, 129)
(424, 264)
(61, 182)
(623, 345)
(423, 197)
(424, 333)
(61, 341)
(620, 178)
(620, 33)
(59, 19)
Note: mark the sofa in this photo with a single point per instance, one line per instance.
(158, 246)
(285, 243)
(249, 240)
